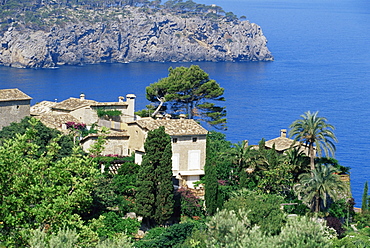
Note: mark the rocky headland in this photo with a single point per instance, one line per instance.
(132, 35)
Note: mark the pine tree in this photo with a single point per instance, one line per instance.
(212, 194)
(154, 196)
(365, 206)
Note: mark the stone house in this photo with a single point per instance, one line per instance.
(188, 145)
(86, 110)
(117, 143)
(14, 106)
(80, 110)
(283, 143)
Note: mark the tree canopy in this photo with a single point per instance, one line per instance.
(190, 91)
(316, 133)
(38, 191)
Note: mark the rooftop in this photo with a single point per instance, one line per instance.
(13, 95)
(173, 126)
(281, 143)
(41, 108)
(56, 120)
(73, 104)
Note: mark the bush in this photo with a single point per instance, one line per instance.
(191, 205)
(113, 224)
(264, 211)
(336, 224)
(172, 236)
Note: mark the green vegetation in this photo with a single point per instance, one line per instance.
(44, 136)
(212, 196)
(154, 197)
(365, 199)
(110, 113)
(189, 91)
(43, 14)
(255, 196)
(316, 133)
(317, 187)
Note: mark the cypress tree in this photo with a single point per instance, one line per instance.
(154, 196)
(212, 195)
(364, 206)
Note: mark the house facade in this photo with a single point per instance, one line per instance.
(81, 110)
(86, 110)
(188, 140)
(14, 106)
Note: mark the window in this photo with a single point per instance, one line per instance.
(195, 139)
(194, 159)
(174, 140)
(176, 161)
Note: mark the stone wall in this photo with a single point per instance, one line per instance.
(13, 111)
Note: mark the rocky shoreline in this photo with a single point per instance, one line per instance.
(139, 37)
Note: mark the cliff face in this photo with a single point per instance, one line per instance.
(135, 38)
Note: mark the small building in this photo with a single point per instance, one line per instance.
(14, 106)
(188, 145)
(116, 143)
(283, 143)
(86, 110)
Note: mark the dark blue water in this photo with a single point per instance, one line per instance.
(322, 63)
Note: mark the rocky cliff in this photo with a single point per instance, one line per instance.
(134, 37)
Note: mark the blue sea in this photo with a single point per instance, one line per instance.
(322, 63)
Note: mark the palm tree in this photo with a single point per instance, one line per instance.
(314, 131)
(298, 161)
(323, 182)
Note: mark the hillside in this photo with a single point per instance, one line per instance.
(48, 35)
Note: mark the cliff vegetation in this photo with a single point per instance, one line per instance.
(49, 33)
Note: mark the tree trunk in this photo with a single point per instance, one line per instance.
(312, 156)
(317, 207)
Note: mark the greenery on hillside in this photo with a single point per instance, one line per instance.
(41, 14)
(55, 195)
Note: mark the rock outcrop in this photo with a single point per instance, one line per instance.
(138, 37)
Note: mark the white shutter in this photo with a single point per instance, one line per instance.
(176, 161)
(194, 160)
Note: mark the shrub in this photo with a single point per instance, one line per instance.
(170, 237)
(336, 224)
(264, 211)
(114, 224)
(191, 205)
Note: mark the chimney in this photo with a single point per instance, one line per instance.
(182, 116)
(167, 117)
(159, 116)
(120, 99)
(82, 96)
(283, 133)
(130, 99)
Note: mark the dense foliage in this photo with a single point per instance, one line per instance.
(38, 191)
(190, 91)
(54, 199)
(154, 197)
(44, 136)
(42, 14)
(315, 133)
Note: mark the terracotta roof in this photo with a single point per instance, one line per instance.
(56, 120)
(42, 108)
(173, 126)
(13, 95)
(73, 104)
